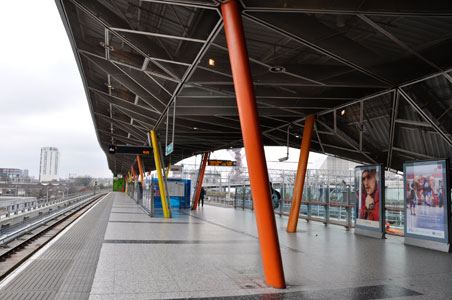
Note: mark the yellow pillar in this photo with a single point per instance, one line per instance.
(158, 166)
(167, 170)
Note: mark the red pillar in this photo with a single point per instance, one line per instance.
(133, 173)
(140, 167)
(301, 174)
(252, 140)
(205, 157)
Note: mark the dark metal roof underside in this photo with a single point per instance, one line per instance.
(386, 63)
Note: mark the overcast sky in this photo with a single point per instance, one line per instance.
(43, 100)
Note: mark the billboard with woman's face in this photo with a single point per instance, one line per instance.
(369, 197)
(426, 198)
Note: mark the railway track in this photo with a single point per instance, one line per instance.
(18, 245)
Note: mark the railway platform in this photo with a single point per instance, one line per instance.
(117, 251)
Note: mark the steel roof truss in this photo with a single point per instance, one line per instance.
(421, 112)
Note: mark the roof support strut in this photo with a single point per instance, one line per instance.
(301, 173)
(252, 140)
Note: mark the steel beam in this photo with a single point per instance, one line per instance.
(316, 48)
(191, 69)
(175, 37)
(395, 108)
(301, 7)
(347, 141)
(421, 112)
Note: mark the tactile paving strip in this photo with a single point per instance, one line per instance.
(66, 270)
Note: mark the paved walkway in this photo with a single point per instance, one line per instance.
(214, 252)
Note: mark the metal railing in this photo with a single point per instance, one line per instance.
(34, 204)
(21, 230)
(327, 205)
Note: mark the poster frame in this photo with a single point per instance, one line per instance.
(380, 228)
(446, 195)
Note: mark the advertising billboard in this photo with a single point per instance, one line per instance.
(426, 200)
(369, 185)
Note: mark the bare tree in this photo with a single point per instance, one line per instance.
(83, 181)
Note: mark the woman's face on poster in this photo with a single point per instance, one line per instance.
(369, 182)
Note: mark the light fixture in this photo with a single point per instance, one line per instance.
(109, 47)
(277, 69)
(195, 128)
(297, 136)
(108, 85)
(342, 112)
(211, 62)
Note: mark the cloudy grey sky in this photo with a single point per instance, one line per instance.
(43, 101)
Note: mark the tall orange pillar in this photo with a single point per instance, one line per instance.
(205, 157)
(301, 173)
(252, 140)
(140, 167)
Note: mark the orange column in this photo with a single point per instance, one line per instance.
(140, 167)
(205, 157)
(301, 173)
(133, 173)
(252, 140)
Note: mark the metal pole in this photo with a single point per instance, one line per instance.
(152, 197)
(252, 140)
(301, 174)
(243, 197)
(283, 193)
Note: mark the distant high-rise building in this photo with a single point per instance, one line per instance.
(50, 162)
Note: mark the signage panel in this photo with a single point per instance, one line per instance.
(176, 168)
(135, 150)
(222, 163)
(426, 200)
(169, 149)
(176, 188)
(369, 205)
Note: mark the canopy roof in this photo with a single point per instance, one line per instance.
(376, 74)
